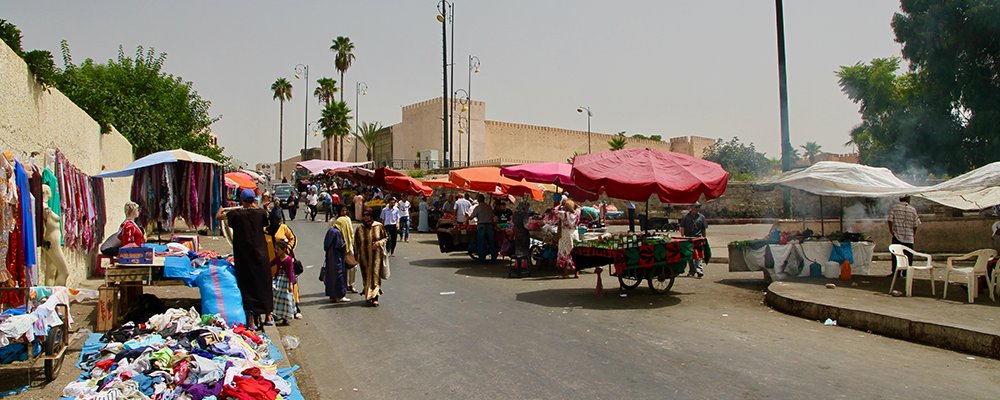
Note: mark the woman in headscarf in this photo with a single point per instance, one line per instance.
(369, 248)
(335, 248)
(343, 223)
(522, 239)
(423, 225)
(277, 231)
(250, 256)
(569, 218)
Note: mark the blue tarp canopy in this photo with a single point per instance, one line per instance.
(163, 157)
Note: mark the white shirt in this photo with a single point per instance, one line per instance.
(312, 198)
(390, 216)
(404, 208)
(462, 207)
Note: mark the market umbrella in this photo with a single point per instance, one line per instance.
(242, 179)
(489, 180)
(636, 174)
(162, 157)
(440, 183)
(253, 174)
(407, 185)
(549, 172)
(231, 183)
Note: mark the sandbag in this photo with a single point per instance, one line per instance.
(219, 293)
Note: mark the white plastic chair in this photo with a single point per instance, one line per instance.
(903, 263)
(983, 256)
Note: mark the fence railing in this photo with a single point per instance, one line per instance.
(401, 164)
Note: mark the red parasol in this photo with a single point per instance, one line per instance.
(440, 183)
(549, 172)
(407, 185)
(242, 179)
(488, 180)
(636, 174)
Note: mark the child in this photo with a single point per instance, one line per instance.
(284, 277)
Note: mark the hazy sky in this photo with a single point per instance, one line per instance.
(664, 67)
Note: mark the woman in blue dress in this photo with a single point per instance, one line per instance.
(336, 276)
(423, 225)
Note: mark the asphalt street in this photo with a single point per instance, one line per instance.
(449, 328)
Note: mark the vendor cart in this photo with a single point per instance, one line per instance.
(632, 259)
(462, 238)
(53, 345)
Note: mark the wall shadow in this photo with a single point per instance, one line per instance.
(584, 298)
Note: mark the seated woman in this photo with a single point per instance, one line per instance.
(131, 235)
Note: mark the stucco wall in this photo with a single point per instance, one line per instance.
(33, 119)
(543, 143)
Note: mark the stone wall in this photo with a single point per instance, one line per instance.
(542, 143)
(35, 119)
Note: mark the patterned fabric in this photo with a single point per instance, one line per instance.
(569, 233)
(673, 253)
(370, 259)
(284, 301)
(904, 221)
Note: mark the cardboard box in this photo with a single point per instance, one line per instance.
(190, 241)
(135, 255)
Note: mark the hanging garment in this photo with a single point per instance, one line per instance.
(27, 220)
(55, 203)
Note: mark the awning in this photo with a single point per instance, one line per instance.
(973, 190)
(162, 157)
(839, 179)
(319, 166)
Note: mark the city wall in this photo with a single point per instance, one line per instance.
(35, 119)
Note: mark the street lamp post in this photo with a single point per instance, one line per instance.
(360, 89)
(300, 70)
(589, 114)
(786, 146)
(444, 16)
(465, 102)
(473, 68)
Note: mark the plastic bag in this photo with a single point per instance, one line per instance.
(220, 294)
(290, 342)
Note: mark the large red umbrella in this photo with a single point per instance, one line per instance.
(549, 172)
(407, 185)
(440, 183)
(242, 179)
(636, 174)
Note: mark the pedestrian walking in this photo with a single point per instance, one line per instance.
(390, 219)
(423, 216)
(569, 219)
(903, 221)
(693, 224)
(253, 274)
(343, 223)
(630, 210)
(327, 199)
(369, 248)
(403, 205)
(284, 277)
(293, 205)
(486, 241)
(335, 278)
(359, 206)
(312, 200)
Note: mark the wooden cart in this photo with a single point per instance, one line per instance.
(657, 261)
(54, 344)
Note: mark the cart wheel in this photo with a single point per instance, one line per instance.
(661, 280)
(53, 343)
(629, 280)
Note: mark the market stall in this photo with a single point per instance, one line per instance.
(634, 258)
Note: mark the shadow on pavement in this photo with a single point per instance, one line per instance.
(353, 303)
(879, 285)
(584, 298)
(756, 285)
(452, 261)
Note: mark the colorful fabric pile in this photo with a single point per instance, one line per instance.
(181, 355)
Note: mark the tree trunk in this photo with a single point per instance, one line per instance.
(342, 100)
(281, 136)
(341, 148)
(334, 155)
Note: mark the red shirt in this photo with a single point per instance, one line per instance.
(336, 198)
(131, 234)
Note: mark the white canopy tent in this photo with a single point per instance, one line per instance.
(839, 179)
(973, 190)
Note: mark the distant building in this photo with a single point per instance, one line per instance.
(416, 141)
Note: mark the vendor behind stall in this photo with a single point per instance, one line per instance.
(485, 235)
(131, 233)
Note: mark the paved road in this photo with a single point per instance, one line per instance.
(550, 338)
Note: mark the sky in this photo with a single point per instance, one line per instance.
(673, 68)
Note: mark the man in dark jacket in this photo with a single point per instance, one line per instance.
(694, 225)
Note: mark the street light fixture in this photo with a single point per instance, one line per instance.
(465, 102)
(360, 89)
(314, 127)
(446, 13)
(589, 114)
(473, 68)
(300, 70)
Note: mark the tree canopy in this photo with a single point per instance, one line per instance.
(742, 161)
(154, 110)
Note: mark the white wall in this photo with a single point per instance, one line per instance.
(33, 119)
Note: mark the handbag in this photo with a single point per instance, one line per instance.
(322, 274)
(384, 268)
(113, 243)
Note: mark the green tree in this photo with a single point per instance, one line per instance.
(154, 110)
(325, 91)
(39, 61)
(335, 120)
(953, 50)
(368, 134)
(811, 150)
(344, 49)
(282, 91)
(640, 136)
(618, 141)
(739, 159)
(657, 138)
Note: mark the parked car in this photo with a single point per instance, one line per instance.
(282, 191)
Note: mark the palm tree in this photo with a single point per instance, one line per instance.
(325, 90)
(342, 61)
(282, 90)
(811, 149)
(367, 134)
(618, 141)
(335, 120)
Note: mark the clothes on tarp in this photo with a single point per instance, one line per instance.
(192, 191)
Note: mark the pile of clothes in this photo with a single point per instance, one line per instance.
(19, 326)
(181, 355)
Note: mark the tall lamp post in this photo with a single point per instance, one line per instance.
(300, 70)
(446, 13)
(473, 68)
(360, 89)
(589, 114)
(786, 146)
(465, 102)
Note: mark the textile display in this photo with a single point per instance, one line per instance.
(781, 261)
(674, 254)
(181, 354)
(79, 207)
(165, 192)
